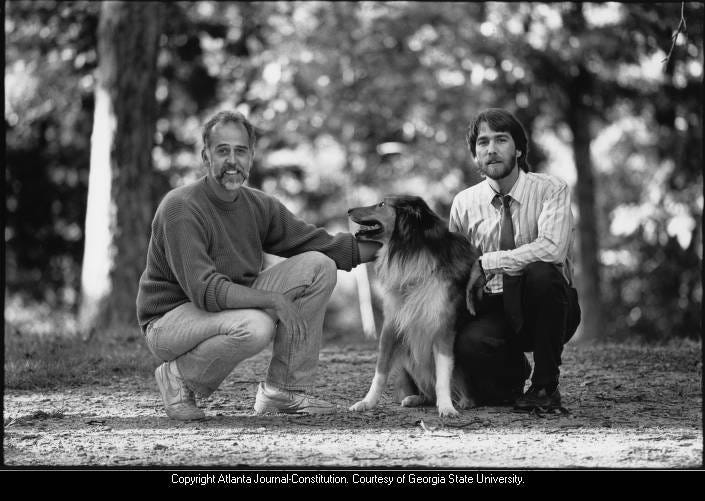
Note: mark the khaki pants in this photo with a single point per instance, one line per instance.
(208, 346)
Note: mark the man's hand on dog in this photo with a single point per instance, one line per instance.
(368, 249)
(475, 286)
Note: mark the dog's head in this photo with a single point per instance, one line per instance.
(407, 226)
(401, 216)
(376, 221)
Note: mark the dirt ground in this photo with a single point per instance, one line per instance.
(629, 407)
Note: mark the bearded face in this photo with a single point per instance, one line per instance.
(228, 157)
(495, 152)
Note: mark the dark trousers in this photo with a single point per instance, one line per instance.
(490, 350)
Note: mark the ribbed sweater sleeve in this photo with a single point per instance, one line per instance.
(288, 235)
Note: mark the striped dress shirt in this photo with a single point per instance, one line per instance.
(542, 219)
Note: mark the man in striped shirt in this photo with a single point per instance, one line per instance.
(205, 304)
(523, 225)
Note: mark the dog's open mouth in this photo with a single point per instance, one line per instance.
(368, 229)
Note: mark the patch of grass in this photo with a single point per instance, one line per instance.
(42, 360)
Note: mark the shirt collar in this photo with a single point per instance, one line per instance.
(518, 191)
(488, 193)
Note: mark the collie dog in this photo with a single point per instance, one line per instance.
(431, 279)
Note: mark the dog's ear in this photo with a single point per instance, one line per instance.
(407, 221)
(413, 214)
(474, 288)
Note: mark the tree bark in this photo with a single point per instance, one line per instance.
(119, 207)
(589, 281)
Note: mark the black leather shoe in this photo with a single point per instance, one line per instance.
(538, 398)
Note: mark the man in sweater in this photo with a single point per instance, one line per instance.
(204, 302)
(522, 223)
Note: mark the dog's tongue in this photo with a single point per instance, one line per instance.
(366, 231)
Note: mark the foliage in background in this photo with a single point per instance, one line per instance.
(50, 52)
(354, 100)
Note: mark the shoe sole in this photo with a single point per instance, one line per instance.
(185, 418)
(275, 410)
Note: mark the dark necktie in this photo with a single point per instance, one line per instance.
(506, 235)
(511, 286)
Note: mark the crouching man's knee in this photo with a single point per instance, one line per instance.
(325, 271)
(258, 329)
(540, 277)
(479, 340)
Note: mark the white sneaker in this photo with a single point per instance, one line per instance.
(289, 402)
(179, 400)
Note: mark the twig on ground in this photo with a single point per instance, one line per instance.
(470, 423)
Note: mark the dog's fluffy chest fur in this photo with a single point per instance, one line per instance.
(416, 301)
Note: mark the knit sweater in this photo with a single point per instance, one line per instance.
(201, 245)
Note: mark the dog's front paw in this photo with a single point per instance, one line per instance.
(361, 406)
(448, 412)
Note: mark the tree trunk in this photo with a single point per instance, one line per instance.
(119, 207)
(589, 282)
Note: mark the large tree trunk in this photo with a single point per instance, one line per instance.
(119, 204)
(589, 282)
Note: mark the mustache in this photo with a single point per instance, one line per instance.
(236, 168)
